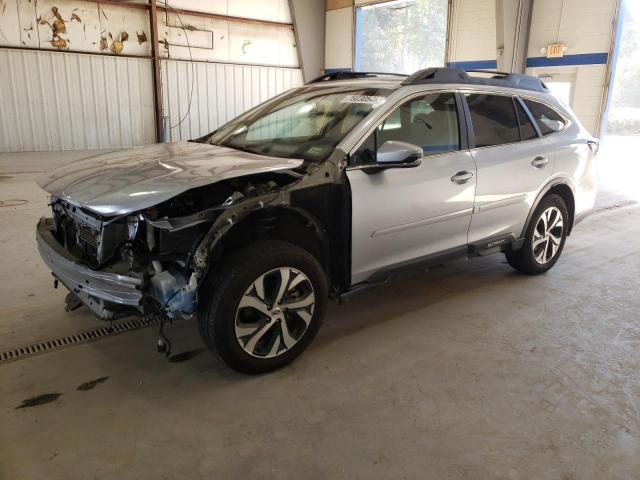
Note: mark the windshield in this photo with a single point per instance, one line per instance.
(305, 123)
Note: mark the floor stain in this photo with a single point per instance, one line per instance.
(90, 385)
(13, 202)
(4, 178)
(184, 356)
(39, 400)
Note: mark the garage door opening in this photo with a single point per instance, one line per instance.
(560, 89)
(618, 165)
(401, 36)
(624, 110)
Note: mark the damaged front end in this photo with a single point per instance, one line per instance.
(149, 262)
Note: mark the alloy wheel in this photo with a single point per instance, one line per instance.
(547, 235)
(274, 312)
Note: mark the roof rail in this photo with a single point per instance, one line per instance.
(458, 75)
(342, 75)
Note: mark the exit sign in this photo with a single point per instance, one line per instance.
(555, 50)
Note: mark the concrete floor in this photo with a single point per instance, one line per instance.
(469, 371)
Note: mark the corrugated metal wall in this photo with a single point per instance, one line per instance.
(221, 91)
(78, 75)
(66, 101)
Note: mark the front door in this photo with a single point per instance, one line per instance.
(403, 214)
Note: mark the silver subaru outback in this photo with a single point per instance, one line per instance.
(322, 192)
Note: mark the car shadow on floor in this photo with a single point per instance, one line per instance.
(131, 364)
(418, 292)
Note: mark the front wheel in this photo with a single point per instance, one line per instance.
(263, 306)
(544, 238)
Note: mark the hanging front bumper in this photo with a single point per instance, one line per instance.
(96, 289)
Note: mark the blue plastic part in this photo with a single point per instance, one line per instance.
(170, 289)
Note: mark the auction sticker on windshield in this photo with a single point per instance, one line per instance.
(368, 99)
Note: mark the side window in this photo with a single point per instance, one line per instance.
(547, 118)
(430, 122)
(527, 130)
(493, 118)
(392, 122)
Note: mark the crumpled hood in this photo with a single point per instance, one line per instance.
(129, 180)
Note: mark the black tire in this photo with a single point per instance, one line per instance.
(224, 288)
(523, 259)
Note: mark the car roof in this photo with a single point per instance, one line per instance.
(437, 76)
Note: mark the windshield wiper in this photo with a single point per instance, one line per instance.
(239, 147)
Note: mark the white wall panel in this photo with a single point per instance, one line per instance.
(583, 27)
(220, 92)
(338, 40)
(473, 31)
(271, 10)
(219, 40)
(68, 101)
(75, 25)
(54, 98)
(308, 17)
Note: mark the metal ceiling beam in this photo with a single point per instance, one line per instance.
(218, 16)
(157, 77)
(230, 18)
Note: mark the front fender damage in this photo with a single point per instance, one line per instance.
(177, 291)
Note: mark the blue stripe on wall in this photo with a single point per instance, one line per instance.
(334, 70)
(578, 59)
(474, 64)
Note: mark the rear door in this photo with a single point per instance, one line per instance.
(513, 163)
(400, 215)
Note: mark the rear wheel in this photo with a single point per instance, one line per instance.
(544, 238)
(263, 306)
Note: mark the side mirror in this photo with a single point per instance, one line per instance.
(395, 154)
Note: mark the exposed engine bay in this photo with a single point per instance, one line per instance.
(165, 247)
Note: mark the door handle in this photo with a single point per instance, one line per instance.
(463, 176)
(539, 161)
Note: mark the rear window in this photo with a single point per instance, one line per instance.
(548, 120)
(493, 118)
